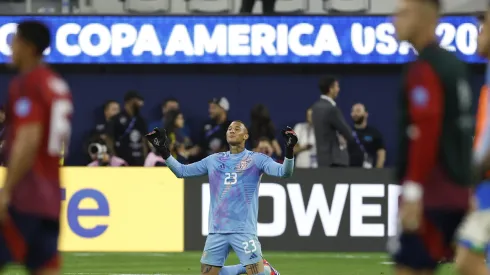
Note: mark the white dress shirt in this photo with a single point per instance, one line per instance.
(328, 99)
(306, 135)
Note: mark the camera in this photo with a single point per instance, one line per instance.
(97, 148)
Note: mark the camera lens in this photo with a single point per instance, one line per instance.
(93, 148)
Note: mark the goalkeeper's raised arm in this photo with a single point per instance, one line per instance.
(236, 136)
(284, 170)
(158, 138)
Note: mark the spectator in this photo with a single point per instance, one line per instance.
(262, 127)
(101, 156)
(264, 146)
(126, 131)
(168, 105)
(179, 142)
(370, 150)
(305, 150)
(214, 133)
(330, 127)
(111, 108)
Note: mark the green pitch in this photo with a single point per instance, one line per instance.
(188, 264)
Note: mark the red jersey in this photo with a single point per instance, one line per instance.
(436, 129)
(40, 96)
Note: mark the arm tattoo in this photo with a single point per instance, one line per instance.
(205, 268)
(253, 268)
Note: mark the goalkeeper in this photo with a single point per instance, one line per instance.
(234, 179)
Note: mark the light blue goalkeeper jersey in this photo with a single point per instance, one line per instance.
(234, 181)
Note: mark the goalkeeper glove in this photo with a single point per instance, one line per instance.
(291, 140)
(159, 140)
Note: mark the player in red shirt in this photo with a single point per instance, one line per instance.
(38, 126)
(435, 144)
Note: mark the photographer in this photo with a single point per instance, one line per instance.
(100, 155)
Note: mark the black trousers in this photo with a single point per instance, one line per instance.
(267, 6)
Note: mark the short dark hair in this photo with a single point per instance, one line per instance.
(35, 33)
(326, 83)
(132, 94)
(262, 139)
(169, 99)
(436, 3)
(109, 102)
(239, 121)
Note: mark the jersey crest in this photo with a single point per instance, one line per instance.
(243, 164)
(22, 107)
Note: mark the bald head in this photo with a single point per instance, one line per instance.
(359, 107)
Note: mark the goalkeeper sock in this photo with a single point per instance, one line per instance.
(233, 270)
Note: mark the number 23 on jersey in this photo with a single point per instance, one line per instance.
(231, 178)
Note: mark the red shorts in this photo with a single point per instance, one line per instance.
(29, 240)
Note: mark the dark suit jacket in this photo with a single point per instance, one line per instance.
(328, 121)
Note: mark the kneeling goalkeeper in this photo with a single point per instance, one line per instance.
(234, 179)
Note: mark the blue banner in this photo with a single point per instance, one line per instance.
(236, 39)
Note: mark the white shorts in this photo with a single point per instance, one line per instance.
(474, 231)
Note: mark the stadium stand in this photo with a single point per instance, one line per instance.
(347, 6)
(292, 6)
(223, 6)
(210, 6)
(147, 6)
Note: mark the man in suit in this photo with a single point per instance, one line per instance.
(331, 130)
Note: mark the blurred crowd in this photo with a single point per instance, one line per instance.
(326, 139)
(134, 6)
(185, 7)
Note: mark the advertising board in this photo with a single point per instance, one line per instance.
(351, 210)
(121, 210)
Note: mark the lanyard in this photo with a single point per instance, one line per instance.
(212, 131)
(356, 138)
(130, 127)
(367, 159)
